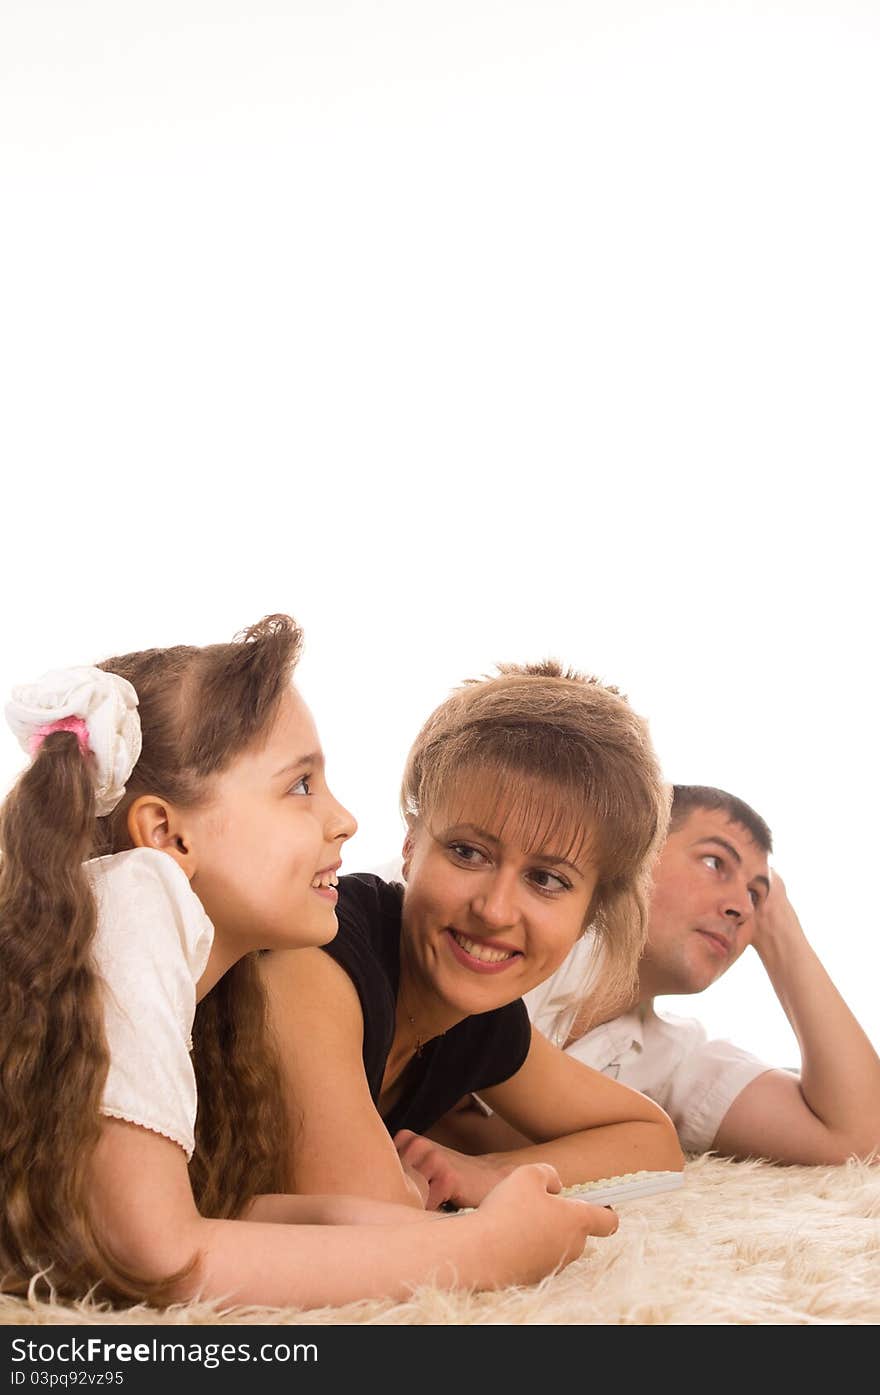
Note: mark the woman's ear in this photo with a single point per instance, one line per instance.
(408, 844)
(154, 823)
(597, 903)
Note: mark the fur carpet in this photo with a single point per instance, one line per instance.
(740, 1243)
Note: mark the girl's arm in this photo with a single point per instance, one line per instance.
(338, 1142)
(584, 1124)
(144, 1208)
(285, 1209)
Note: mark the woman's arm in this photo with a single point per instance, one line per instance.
(338, 1142)
(584, 1124)
(144, 1207)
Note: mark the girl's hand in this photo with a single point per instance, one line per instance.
(449, 1176)
(535, 1232)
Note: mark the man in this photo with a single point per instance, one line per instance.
(713, 896)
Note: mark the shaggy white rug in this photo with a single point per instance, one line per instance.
(739, 1243)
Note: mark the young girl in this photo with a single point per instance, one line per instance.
(198, 773)
(534, 806)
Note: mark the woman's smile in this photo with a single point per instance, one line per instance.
(482, 956)
(523, 910)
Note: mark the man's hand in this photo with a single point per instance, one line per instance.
(449, 1176)
(775, 920)
(832, 1111)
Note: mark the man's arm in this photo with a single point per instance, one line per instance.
(832, 1112)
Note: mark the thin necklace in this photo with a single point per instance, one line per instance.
(420, 1044)
(409, 1017)
(421, 1041)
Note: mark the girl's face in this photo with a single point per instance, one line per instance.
(266, 847)
(484, 919)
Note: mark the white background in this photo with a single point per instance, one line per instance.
(466, 331)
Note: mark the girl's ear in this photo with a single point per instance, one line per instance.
(154, 823)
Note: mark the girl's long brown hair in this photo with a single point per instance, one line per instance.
(199, 709)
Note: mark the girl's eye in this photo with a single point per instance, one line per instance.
(302, 786)
(549, 881)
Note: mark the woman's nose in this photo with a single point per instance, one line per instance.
(495, 904)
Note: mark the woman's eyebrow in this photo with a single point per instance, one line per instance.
(538, 855)
(475, 828)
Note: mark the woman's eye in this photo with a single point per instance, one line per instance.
(465, 852)
(302, 786)
(549, 881)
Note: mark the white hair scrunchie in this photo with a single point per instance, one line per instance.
(104, 702)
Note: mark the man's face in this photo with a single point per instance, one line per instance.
(709, 882)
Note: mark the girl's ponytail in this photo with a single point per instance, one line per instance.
(54, 1060)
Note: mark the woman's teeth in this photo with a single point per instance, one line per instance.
(478, 951)
(325, 879)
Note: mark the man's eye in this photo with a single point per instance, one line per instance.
(549, 881)
(302, 786)
(713, 861)
(756, 898)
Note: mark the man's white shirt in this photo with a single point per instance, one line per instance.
(670, 1059)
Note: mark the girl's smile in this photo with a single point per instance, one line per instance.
(326, 882)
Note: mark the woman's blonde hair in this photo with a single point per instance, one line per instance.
(555, 758)
(199, 709)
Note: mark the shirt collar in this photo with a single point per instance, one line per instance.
(624, 1033)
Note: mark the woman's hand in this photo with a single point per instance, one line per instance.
(417, 1183)
(533, 1231)
(447, 1175)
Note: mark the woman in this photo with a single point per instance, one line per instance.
(534, 806)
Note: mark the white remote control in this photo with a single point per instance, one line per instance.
(627, 1187)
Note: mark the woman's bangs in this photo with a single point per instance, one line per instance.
(531, 813)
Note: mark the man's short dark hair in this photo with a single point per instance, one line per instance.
(687, 798)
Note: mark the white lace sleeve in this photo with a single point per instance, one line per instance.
(151, 947)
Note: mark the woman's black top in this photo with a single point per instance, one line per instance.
(481, 1051)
